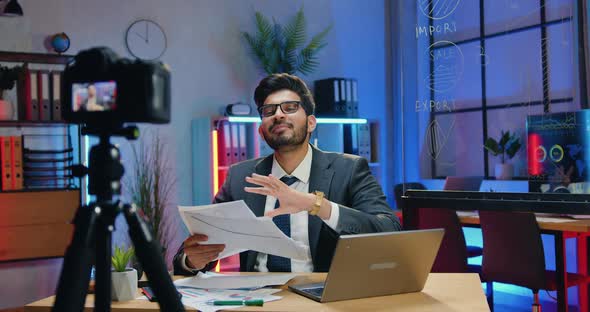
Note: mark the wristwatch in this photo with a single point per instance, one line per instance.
(319, 196)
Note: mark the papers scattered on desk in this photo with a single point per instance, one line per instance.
(201, 299)
(234, 225)
(234, 281)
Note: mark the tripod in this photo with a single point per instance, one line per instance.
(93, 232)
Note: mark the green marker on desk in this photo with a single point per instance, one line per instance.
(254, 302)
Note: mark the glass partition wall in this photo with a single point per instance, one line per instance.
(494, 91)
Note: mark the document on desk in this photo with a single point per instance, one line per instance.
(201, 299)
(236, 226)
(212, 280)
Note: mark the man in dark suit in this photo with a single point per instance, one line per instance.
(313, 196)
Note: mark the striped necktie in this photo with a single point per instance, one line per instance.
(283, 222)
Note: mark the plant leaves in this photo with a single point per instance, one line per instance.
(295, 32)
(275, 46)
(513, 148)
(492, 146)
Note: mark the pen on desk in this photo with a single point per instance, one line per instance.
(254, 302)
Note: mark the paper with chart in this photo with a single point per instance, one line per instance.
(236, 226)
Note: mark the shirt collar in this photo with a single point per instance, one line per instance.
(302, 172)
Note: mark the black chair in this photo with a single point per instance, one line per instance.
(513, 254)
(398, 191)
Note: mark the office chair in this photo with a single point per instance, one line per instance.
(513, 253)
(453, 251)
(398, 191)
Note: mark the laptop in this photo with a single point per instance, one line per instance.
(462, 183)
(376, 264)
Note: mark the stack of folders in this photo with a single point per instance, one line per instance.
(357, 140)
(336, 97)
(39, 95)
(47, 167)
(232, 145)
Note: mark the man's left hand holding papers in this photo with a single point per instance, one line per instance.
(232, 228)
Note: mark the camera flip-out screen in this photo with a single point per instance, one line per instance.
(94, 96)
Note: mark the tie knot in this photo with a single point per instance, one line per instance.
(289, 180)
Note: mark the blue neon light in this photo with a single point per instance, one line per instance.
(319, 120)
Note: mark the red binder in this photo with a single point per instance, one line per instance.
(224, 143)
(5, 158)
(16, 149)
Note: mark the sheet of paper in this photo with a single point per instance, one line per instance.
(201, 299)
(234, 225)
(233, 281)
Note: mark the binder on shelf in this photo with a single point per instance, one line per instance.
(44, 102)
(242, 146)
(24, 93)
(32, 106)
(16, 148)
(355, 101)
(349, 105)
(364, 141)
(234, 143)
(350, 135)
(223, 143)
(6, 159)
(56, 101)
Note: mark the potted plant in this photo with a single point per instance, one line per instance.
(123, 279)
(508, 145)
(282, 49)
(8, 78)
(151, 184)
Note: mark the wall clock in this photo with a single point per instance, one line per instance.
(146, 39)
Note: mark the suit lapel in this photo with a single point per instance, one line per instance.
(320, 179)
(257, 202)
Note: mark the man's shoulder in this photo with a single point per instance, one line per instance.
(337, 158)
(246, 165)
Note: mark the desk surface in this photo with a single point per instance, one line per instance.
(546, 222)
(443, 292)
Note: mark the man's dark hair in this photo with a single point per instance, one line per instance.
(277, 82)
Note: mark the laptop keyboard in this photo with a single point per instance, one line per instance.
(314, 291)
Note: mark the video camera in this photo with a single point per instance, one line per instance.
(101, 89)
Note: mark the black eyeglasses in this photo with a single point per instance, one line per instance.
(287, 107)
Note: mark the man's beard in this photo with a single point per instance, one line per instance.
(278, 141)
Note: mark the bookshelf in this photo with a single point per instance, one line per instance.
(35, 223)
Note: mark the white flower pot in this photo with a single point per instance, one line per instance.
(124, 285)
(504, 171)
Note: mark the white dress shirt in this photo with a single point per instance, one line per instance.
(299, 228)
(299, 224)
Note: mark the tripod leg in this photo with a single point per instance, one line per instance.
(75, 274)
(102, 291)
(149, 254)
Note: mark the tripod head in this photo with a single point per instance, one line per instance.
(105, 169)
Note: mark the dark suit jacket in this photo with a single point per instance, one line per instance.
(344, 179)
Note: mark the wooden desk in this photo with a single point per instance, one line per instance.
(443, 292)
(562, 228)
